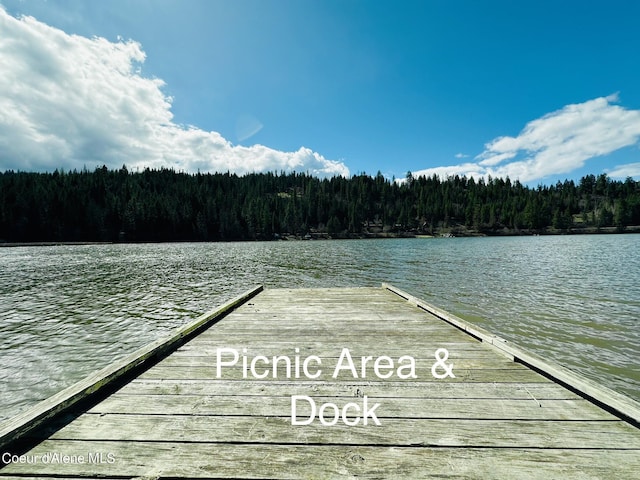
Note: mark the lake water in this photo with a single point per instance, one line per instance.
(66, 311)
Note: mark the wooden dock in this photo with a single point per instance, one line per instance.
(486, 409)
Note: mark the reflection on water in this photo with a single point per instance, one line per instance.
(66, 311)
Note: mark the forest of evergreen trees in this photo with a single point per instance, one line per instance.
(164, 205)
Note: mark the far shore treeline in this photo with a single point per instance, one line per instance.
(164, 205)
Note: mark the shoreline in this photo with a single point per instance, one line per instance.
(454, 232)
(50, 244)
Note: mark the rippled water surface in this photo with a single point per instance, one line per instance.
(67, 311)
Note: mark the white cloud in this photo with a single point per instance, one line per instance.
(557, 143)
(69, 101)
(624, 171)
(461, 155)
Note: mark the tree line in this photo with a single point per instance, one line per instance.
(165, 205)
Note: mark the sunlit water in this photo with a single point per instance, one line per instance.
(67, 311)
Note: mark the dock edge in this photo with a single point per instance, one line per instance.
(614, 402)
(19, 426)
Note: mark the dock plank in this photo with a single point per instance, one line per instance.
(513, 373)
(331, 359)
(277, 430)
(504, 390)
(286, 461)
(394, 407)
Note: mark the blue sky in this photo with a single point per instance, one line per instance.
(539, 91)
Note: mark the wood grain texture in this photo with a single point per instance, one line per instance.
(290, 461)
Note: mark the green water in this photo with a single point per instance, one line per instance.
(66, 311)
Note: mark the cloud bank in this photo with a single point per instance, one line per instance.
(557, 143)
(68, 101)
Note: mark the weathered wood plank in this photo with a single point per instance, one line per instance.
(346, 325)
(423, 371)
(328, 334)
(298, 294)
(281, 406)
(199, 347)
(394, 431)
(366, 345)
(338, 332)
(458, 361)
(353, 311)
(434, 389)
(205, 460)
